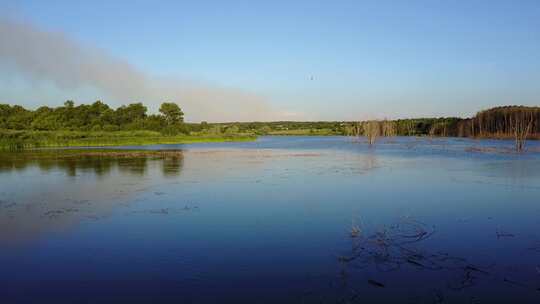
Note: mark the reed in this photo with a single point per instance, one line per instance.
(24, 140)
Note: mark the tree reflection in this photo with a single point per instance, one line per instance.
(91, 185)
(100, 163)
(172, 165)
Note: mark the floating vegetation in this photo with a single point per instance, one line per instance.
(535, 247)
(402, 247)
(438, 297)
(375, 283)
(59, 212)
(159, 211)
(166, 211)
(501, 234)
(355, 230)
(468, 279)
(393, 248)
(500, 150)
(81, 202)
(7, 205)
(477, 149)
(512, 282)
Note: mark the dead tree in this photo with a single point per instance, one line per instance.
(388, 128)
(410, 128)
(521, 124)
(372, 130)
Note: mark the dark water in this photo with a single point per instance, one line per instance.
(279, 220)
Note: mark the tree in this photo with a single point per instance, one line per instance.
(372, 130)
(232, 129)
(130, 113)
(69, 104)
(388, 128)
(522, 122)
(172, 112)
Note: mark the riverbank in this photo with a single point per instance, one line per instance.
(25, 140)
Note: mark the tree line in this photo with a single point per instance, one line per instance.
(97, 116)
(518, 122)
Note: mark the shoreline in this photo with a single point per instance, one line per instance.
(44, 140)
(81, 140)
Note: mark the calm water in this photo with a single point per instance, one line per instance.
(279, 220)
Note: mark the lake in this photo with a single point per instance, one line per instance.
(277, 220)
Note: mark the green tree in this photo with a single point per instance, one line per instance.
(69, 104)
(172, 112)
(232, 129)
(130, 114)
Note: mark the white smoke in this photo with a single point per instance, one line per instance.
(53, 57)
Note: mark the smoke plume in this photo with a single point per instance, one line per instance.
(53, 57)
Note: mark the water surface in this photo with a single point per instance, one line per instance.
(433, 221)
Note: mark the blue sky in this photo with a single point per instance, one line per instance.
(329, 60)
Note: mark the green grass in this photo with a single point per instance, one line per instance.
(23, 140)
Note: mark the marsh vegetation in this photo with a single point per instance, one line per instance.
(99, 125)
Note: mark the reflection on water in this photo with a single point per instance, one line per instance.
(46, 202)
(100, 163)
(270, 221)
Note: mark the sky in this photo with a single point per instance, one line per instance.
(274, 60)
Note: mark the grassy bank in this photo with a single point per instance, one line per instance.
(23, 140)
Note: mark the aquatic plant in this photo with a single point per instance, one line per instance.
(355, 230)
(394, 247)
(398, 248)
